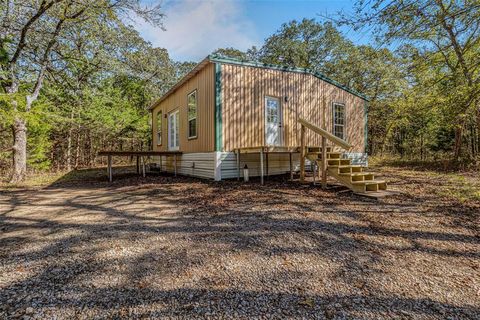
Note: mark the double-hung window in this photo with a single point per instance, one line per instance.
(339, 120)
(192, 114)
(159, 127)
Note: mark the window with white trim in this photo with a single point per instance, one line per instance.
(339, 120)
(192, 114)
(173, 134)
(159, 127)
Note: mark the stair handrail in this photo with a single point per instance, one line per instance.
(336, 140)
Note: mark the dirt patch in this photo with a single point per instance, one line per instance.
(165, 247)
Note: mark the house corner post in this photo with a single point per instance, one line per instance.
(218, 108)
(217, 173)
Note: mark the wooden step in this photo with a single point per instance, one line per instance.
(318, 149)
(369, 182)
(369, 186)
(358, 176)
(345, 169)
(336, 162)
(330, 155)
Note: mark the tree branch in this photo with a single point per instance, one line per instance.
(44, 6)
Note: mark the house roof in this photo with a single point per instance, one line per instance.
(256, 64)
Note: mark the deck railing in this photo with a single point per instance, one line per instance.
(325, 136)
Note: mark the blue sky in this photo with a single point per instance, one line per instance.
(194, 28)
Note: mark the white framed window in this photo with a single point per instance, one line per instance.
(173, 130)
(192, 114)
(159, 127)
(339, 120)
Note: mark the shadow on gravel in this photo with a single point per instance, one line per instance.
(82, 231)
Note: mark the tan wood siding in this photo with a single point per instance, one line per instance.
(243, 106)
(204, 83)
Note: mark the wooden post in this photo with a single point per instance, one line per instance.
(324, 163)
(175, 163)
(238, 164)
(302, 153)
(324, 146)
(324, 119)
(143, 166)
(291, 167)
(261, 166)
(110, 178)
(160, 164)
(138, 165)
(266, 163)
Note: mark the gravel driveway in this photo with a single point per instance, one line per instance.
(185, 248)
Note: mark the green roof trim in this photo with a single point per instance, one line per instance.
(256, 64)
(218, 108)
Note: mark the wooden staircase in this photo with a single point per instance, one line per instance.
(330, 161)
(353, 177)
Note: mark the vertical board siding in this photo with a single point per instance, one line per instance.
(243, 93)
(203, 82)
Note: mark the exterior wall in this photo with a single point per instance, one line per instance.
(243, 108)
(204, 83)
(198, 164)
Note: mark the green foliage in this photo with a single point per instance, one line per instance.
(305, 44)
(39, 144)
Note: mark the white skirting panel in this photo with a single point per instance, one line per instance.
(223, 165)
(197, 164)
(278, 163)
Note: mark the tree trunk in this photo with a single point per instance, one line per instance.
(458, 142)
(77, 150)
(69, 150)
(19, 149)
(478, 132)
(69, 142)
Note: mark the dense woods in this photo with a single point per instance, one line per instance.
(76, 78)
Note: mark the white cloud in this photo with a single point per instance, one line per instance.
(194, 28)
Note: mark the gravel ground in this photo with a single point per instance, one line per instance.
(178, 248)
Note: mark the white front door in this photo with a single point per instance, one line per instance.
(273, 122)
(173, 130)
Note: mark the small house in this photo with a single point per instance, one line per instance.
(225, 112)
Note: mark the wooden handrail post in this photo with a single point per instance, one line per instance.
(324, 163)
(291, 167)
(261, 166)
(175, 163)
(238, 164)
(302, 153)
